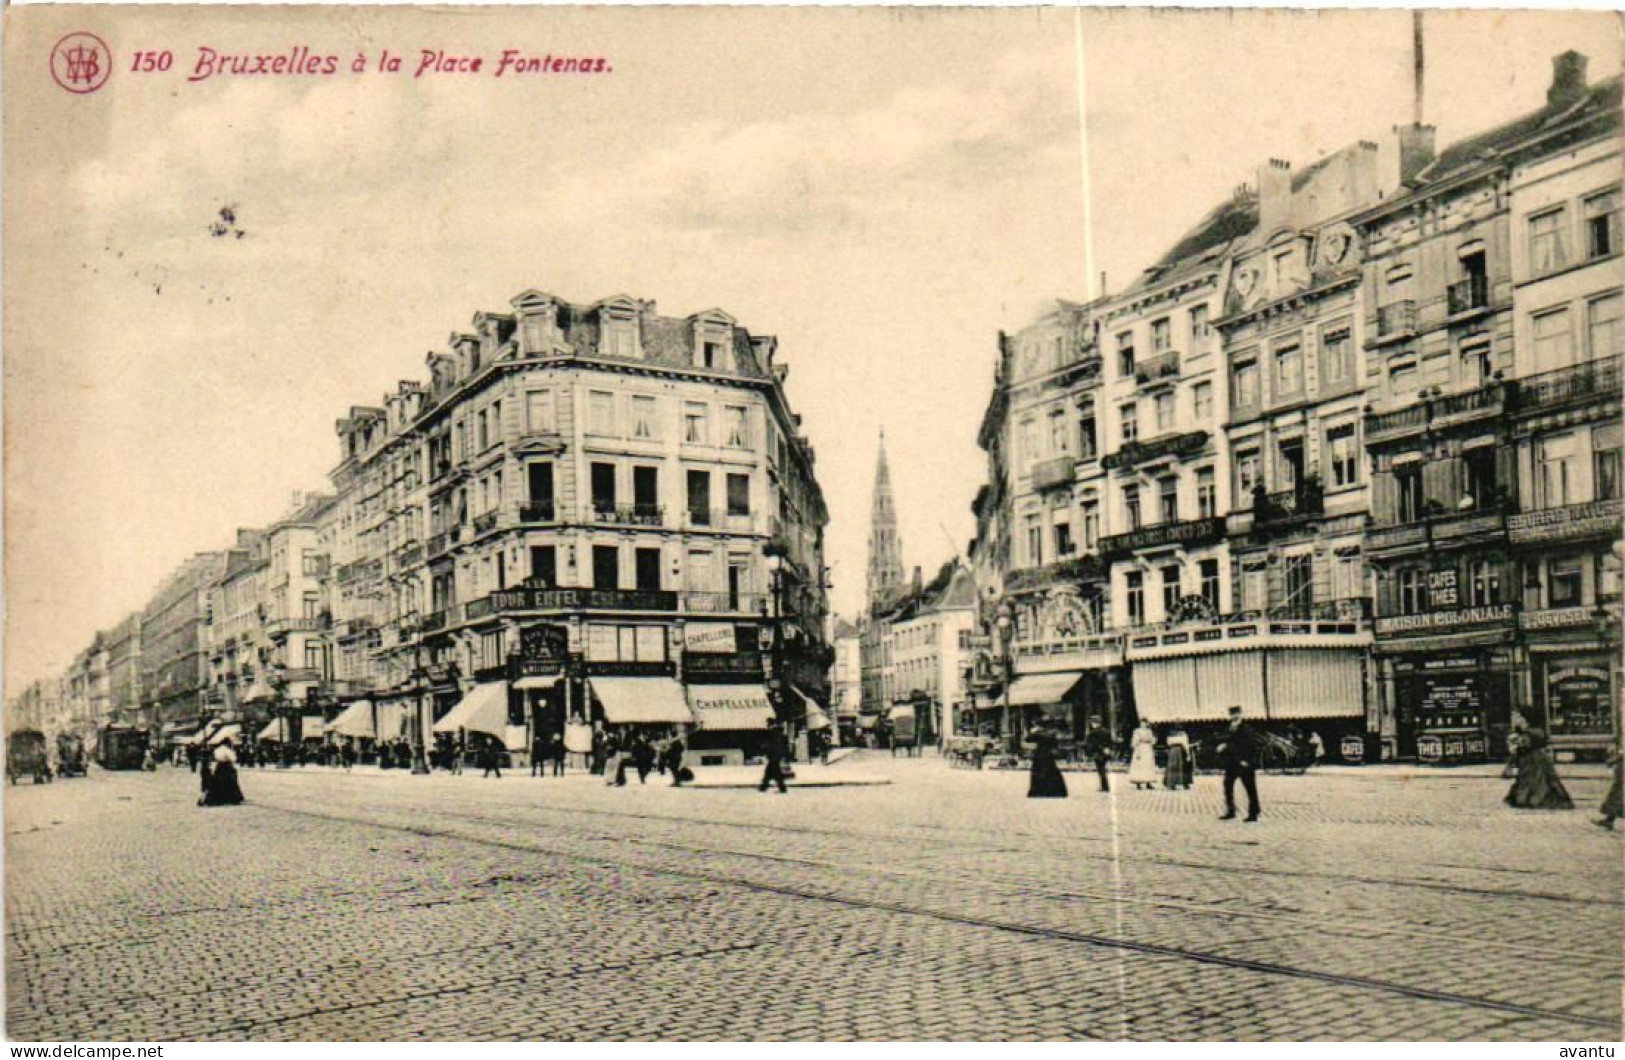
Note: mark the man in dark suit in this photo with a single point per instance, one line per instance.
(1239, 751)
(1097, 744)
(776, 751)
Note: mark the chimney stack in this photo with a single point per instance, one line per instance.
(1274, 195)
(918, 584)
(1568, 80)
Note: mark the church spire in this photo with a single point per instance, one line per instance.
(885, 548)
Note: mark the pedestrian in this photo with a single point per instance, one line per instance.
(148, 763)
(1097, 744)
(773, 770)
(1317, 748)
(671, 759)
(1517, 742)
(643, 756)
(192, 756)
(1142, 764)
(1537, 786)
(612, 760)
(1611, 810)
(1239, 752)
(459, 747)
(223, 788)
(489, 762)
(347, 756)
(599, 752)
(1180, 768)
(1044, 780)
(539, 754)
(559, 750)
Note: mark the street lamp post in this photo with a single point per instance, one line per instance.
(420, 677)
(1006, 623)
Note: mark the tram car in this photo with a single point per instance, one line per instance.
(121, 747)
(70, 754)
(26, 756)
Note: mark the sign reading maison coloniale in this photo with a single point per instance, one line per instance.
(1455, 618)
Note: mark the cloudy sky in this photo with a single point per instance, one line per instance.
(883, 190)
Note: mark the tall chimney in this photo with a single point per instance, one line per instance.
(1416, 67)
(1274, 195)
(1568, 80)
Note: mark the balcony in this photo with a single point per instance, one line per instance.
(281, 627)
(408, 556)
(1572, 522)
(526, 599)
(434, 620)
(1086, 366)
(707, 603)
(441, 543)
(1446, 528)
(1057, 471)
(1137, 452)
(1435, 413)
(629, 514)
(1395, 321)
(1062, 572)
(1183, 533)
(1163, 367)
(1307, 501)
(1467, 297)
(298, 674)
(700, 667)
(1346, 609)
(485, 522)
(1589, 380)
(719, 519)
(537, 512)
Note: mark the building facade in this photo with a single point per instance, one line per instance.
(174, 658)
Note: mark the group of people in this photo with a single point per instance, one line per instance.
(612, 753)
(1239, 750)
(1536, 785)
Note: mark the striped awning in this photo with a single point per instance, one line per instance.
(730, 708)
(484, 709)
(642, 701)
(355, 721)
(1038, 689)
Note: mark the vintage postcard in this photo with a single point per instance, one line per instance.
(831, 524)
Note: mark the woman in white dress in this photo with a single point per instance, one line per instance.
(1142, 767)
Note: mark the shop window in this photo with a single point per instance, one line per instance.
(1564, 582)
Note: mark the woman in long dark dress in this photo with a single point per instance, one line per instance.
(223, 787)
(1045, 780)
(1179, 771)
(1613, 804)
(1537, 786)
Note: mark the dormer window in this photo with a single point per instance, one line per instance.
(711, 352)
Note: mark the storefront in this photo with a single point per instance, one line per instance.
(730, 723)
(1447, 678)
(652, 701)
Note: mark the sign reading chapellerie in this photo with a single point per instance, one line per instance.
(714, 637)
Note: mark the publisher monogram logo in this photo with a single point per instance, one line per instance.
(80, 62)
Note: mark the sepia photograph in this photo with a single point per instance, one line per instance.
(813, 524)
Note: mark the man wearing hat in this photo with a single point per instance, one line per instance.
(1097, 744)
(1239, 751)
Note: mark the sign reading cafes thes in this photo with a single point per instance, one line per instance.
(1449, 619)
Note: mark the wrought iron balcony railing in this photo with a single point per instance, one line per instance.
(1467, 295)
(629, 514)
(1396, 319)
(1577, 382)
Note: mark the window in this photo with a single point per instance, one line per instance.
(314, 657)
(1478, 488)
(1202, 402)
(1608, 576)
(1401, 380)
(699, 497)
(1343, 455)
(1063, 539)
(1091, 525)
(1125, 354)
(600, 412)
(696, 423)
(1035, 541)
(1411, 591)
(1603, 332)
(311, 604)
(738, 427)
(646, 492)
(1129, 417)
(1602, 225)
(1059, 443)
(1336, 358)
(1161, 336)
(1546, 241)
(1168, 498)
(606, 567)
(1477, 366)
(544, 565)
(1209, 569)
(711, 354)
(1557, 470)
(1134, 581)
(1087, 444)
(1605, 463)
(643, 416)
(1346, 578)
(1207, 504)
(1247, 474)
(1300, 583)
(1483, 583)
(1027, 450)
(1131, 506)
(697, 572)
(1199, 326)
(738, 494)
(310, 564)
(603, 487)
(1165, 411)
(1288, 371)
(1254, 589)
(1564, 583)
(1244, 383)
(1554, 346)
(647, 568)
(482, 430)
(1408, 485)
(1170, 590)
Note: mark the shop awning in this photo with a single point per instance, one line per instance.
(525, 684)
(484, 709)
(272, 731)
(355, 721)
(1316, 683)
(1036, 689)
(868, 721)
(224, 733)
(642, 701)
(391, 719)
(816, 718)
(730, 708)
(1165, 691)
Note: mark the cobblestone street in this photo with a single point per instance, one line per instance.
(1366, 905)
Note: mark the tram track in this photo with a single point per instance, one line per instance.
(903, 908)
